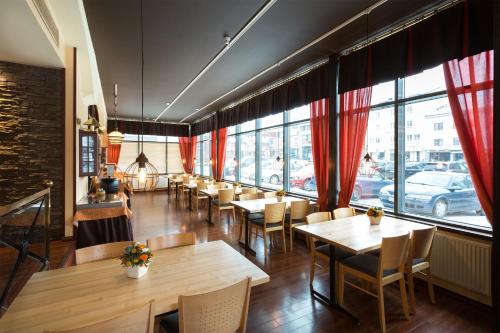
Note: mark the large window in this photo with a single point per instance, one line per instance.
(271, 157)
(247, 158)
(230, 162)
(301, 167)
(419, 168)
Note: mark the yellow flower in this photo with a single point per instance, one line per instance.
(136, 261)
(133, 250)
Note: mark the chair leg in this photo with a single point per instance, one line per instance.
(234, 217)
(313, 267)
(340, 284)
(381, 309)
(404, 300)
(265, 242)
(430, 286)
(291, 238)
(411, 289)
(284, 240)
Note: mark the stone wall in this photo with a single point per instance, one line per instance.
(32, 136)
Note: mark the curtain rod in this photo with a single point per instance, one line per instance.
(151, 121)
(389, 32)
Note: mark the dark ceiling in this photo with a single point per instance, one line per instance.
(182, 36)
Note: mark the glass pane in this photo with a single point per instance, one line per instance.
(248, 126)
(437, 181)
(230, 162)
(128, 154)
(174, 161)
(156, 154)
(272, 120)
(197, 164)
(172, 139)
(375, 183)
(206, 159)
(231, 130)
(205, 136)
(300, 113)
(155, 138)
(271, 158)
(301, 167)
(382, 93)
(429, 81)
(247, 159)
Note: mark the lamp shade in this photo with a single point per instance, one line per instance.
(115, 137)
(142, 175)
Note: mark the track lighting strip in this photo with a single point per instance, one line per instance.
(228, 44)
(317, 40)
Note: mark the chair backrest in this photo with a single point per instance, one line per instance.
(275, 212)
(393, 252)
(100, 252)
(299, 209)
(245, 190)
(220, 311)
(201, 185)
(248, 196)
(341, 213)
(226, 196)
(171, 240)
(140, 320)
(421, 243)
(185, 180)
(269, 194)
(318, 217)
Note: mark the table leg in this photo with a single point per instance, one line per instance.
(176, 190)
(246, 245)
(332, 300)
(168, 185)
(190, 204)
(209, 217)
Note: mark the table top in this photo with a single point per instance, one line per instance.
(356, 234)
(259, 205)
(215, 192)
(74, 296)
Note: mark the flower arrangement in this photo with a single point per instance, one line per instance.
(136, 255)
(280, 193)
(236, 184)
(375, 214)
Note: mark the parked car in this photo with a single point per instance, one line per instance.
(435, 193)
(446, 166)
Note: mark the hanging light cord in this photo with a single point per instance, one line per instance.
(142, 82)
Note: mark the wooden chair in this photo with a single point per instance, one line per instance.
(419, 260)
(200, 185)
(380, 271)
(220, 311)
(223, 202)
(298, 212)
(265, 195)
(246, 190)
(344, 212)
(100, 252)
(273, 221)
(138, 320)
(183, 187)
(243, 197)
(171, 240)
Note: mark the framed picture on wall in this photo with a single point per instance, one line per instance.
(89, 159)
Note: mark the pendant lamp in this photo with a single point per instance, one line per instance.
(115, 137)
(141, 174)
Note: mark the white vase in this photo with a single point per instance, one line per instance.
(279, 198)
(136, 272)
(375, 220)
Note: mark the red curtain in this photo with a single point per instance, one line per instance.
(353, 120)
(113, 154)
(221, 152)
(320, 143)
(469, 83)
(187, 148)
(213, 158)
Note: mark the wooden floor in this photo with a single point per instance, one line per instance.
(285, 304)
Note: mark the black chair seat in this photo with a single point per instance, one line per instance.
(170, 323)
(367, 264)
(254, 216)
(294, 221)
(260, 222)
(417, 261)
(339, 253)
(217, 203)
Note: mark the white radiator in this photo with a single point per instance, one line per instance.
(463, 265)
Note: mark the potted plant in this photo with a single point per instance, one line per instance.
(375, 214)
(236, 185)
(280, 194)
(136, 259)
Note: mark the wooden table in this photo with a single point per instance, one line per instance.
(355, 235)
(257, 206)
(213, 193)
(71, 297)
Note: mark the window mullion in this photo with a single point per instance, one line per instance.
(399, 146)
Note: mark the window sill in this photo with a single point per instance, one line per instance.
(477, 232)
